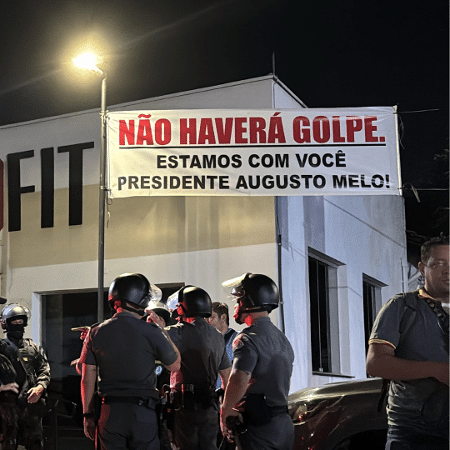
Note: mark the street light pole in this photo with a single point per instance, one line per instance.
(89, 61)
(102, 204)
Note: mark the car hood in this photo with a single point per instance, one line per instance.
(326, 415)
(371, 385)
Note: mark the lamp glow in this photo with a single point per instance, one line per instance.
(88, 61)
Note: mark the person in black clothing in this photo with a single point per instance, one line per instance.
(32, 377)
(121, 353)
(158, 312)
(203, 358)
(409, 346)
(9, 411)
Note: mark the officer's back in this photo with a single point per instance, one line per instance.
(124, 349)
(203, 358)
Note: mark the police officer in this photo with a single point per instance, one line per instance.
(124, 349)
(262, 368)
(7, 372)
(84, 331)
(158, 312)
(9, 410)
(33, 377)
(8, 376)
(203, 358)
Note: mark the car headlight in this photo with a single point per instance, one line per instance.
(301, 411)
(298, 410)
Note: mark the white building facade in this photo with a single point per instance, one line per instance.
(335, 258)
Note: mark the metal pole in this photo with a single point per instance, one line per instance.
(278, 225)
(102, 204)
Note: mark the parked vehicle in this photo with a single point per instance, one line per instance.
(339, 416)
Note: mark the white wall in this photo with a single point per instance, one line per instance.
(365, 234)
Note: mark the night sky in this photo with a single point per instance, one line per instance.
(330, 54)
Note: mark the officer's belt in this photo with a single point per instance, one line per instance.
(140, 401)
(275, 410)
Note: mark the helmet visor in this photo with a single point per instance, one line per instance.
(236, 285)
(155, 294)
(237, 292)
(172, 301)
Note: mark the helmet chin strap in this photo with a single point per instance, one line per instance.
(238, 318)
(128, 307)
(241, 311)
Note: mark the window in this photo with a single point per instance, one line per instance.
(372, 304)
(323, 293)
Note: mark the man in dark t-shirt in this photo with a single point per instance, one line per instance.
(409, 347)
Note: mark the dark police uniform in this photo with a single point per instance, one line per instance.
(263, 351)
(124, 348)
(9, 409)
(32, 368)
(203, 354)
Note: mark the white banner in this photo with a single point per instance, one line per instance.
(310, 151)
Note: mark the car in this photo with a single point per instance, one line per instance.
(339, 416)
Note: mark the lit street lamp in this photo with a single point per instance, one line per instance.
(90, 62)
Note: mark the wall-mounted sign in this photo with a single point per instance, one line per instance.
(253, 152)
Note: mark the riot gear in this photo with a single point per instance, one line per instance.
(14, 311)
(133, 288)
(159, 308)
(193, 301)
(32, 374)
(11, 313)
(254, 293)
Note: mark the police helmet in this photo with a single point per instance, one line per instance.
(159, 308)
(133, 288)
(14, 311)
(194, 301)
(255, 292)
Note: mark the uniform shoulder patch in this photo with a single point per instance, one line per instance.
(239, 341)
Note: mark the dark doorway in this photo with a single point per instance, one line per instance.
(60, 313)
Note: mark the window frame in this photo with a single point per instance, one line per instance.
(371, 305)
(328, 363)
